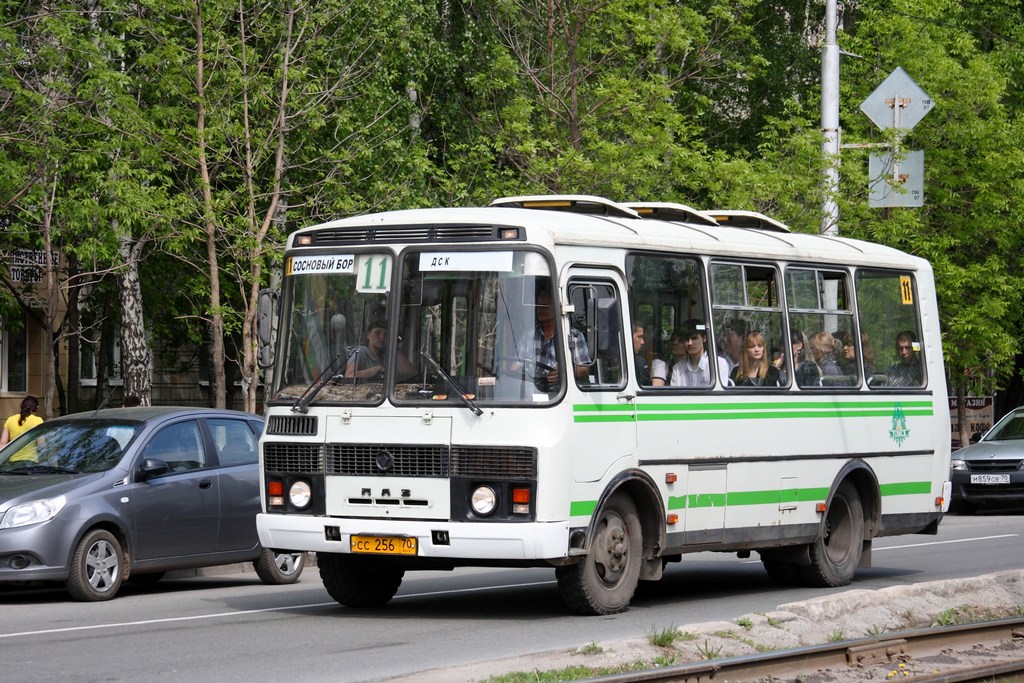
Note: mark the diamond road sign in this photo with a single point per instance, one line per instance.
(898, 102)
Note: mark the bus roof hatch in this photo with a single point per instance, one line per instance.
(747, 219)
(574, 203)
(671, 212)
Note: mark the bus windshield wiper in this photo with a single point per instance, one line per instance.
(454, 384)
(301, 404)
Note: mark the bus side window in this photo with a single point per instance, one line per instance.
(888, 315)
(595, 335)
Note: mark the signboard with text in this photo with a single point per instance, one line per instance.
(26, 265)
(979, 412)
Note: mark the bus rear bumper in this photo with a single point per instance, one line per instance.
(465, 540)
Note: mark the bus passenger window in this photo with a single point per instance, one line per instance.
(748, 323)
(888, 315)
(822, 329)
(665, 294)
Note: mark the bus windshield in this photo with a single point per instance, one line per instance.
(467, 329)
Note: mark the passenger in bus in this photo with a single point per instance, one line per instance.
(367, 361)
(755, 370)
(694, 368)
(539, 347)
(848, 362)
(798, 358)
(823, 350)
(733, 334)
(661, 370)
(643, 371)
(906, 371)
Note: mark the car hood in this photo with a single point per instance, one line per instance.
(992, 450)
(16, 489)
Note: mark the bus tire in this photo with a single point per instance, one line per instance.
(604, 581)
(835, 554)
(359, 581)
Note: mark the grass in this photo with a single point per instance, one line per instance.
(666, 637)
(569, 673)
(590, 648)
(745, 622)
(836, 636)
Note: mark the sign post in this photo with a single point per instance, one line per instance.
(897, 179)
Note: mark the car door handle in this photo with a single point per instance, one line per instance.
(205, 484)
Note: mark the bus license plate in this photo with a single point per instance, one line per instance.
(990, 478)
(383, 545)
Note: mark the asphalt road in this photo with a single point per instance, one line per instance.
(232, 628)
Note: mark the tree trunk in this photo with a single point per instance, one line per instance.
(136, 356)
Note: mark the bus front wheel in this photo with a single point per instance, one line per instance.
(835, 554)
(359, 581)
(604, 581)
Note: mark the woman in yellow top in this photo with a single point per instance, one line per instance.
(21, 422)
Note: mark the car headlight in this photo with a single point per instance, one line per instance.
(484, 500)
(300, 494)
(33, 513)
(957, 464)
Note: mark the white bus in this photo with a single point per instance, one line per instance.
(458, 387)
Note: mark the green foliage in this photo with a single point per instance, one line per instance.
(343, 107)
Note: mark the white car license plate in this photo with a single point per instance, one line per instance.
(990, 478)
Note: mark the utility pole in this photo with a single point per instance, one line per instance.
(830, 122)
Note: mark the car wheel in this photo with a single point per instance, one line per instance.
(279, 568)
(97, 567)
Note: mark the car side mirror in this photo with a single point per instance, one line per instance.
(153, 467)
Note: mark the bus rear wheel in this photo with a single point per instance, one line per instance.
(359, 581)
(605, 580)
(836, 552)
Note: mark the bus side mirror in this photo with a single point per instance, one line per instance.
(265, 326)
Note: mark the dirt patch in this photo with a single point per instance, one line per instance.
(849, 615)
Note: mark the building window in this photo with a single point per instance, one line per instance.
(15, 359)
(88, 353)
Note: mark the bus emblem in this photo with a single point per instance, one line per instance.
(384, 460)
(899, 431)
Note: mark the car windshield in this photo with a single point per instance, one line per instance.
(68, 447)
(1008, 429)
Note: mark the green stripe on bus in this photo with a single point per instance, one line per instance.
(906, 488)
(582, 508)
(770, 497)
(748, 410)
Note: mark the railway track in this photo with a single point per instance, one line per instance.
(984, 651)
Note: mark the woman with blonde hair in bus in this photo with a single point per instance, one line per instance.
(754, 369)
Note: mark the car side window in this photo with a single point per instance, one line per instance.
(234, 440)
(180, 445)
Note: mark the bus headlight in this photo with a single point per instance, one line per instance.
(300, 494)
(484, 500)
(956, 464)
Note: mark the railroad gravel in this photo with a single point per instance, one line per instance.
(850, 615)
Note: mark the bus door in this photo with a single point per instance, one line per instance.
(604, 413)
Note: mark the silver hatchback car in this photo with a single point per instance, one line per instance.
(94, 499)
(990, 473)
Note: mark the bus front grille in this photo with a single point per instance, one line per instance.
(292, 425)
(495, 462)
(293, 458)
(409, 460)
(387, 460)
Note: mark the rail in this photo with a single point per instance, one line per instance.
(889, 648)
